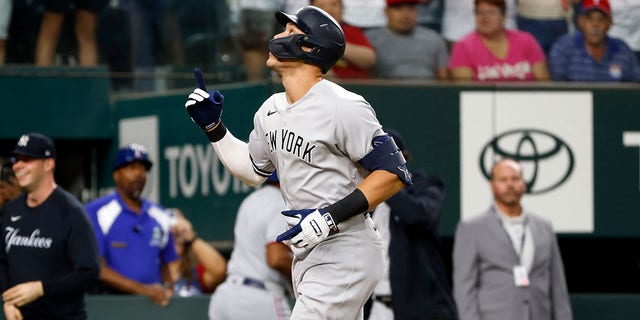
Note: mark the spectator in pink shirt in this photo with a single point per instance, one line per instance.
(493, 53)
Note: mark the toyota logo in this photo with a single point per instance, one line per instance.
(547, 160)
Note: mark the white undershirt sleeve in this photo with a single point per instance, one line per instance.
(234, 155)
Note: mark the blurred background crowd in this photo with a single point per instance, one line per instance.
(153, 45)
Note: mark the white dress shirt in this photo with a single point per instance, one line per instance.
(519, 230)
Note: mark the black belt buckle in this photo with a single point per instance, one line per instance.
(254, 283)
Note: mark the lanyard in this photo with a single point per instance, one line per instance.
(522, 238)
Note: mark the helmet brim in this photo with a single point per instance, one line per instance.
(284, 18)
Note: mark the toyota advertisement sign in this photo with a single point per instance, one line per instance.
(549, 134)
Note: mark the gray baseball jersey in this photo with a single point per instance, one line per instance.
(315, 144)
(241, 296)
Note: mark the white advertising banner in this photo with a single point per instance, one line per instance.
(144, 131)
(549, 133)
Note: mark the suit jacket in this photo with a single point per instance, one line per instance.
(483, 283)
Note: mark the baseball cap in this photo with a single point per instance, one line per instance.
(602, 5)
(132, 153)
(35, 145)
(394, 2)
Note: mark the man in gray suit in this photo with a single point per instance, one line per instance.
(506, 261)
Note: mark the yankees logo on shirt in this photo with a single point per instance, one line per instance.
(34, 240)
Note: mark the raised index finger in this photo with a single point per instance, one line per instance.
(199, 79)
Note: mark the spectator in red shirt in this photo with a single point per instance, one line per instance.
(359, 55)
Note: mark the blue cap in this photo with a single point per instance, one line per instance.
(35, 145)
(273, 178)
(132, 153)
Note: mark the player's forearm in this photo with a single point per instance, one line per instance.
(376, 188)
(234, 155)
(363, 57)
(170, 273)
(212, 261)
(120, 282)
(461, 74)
(79, 280)
(280, 258)
(379, 186)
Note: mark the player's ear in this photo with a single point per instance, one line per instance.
(49, 164)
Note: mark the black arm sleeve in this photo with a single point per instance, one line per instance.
(83, 253)
(351, 205)
(420, 203)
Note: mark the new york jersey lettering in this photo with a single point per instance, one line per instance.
(290, 142)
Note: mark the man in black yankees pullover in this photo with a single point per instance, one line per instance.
(48, 253)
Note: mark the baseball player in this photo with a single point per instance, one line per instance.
(335, 164)
(259, 270)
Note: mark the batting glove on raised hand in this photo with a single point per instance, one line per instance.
(312, 227)
(205, 108)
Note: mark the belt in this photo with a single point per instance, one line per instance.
(254, 283)
(355, 220)
(386, 300)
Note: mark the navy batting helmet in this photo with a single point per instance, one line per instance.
(323, 35)
(132, 153)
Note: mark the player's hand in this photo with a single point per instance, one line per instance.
(23, 293)
(11, 312)
(183, 229)
(312, 227)
(158, 294)
(205, 108)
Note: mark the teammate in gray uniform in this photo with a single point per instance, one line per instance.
(335, 164)
(259, 270)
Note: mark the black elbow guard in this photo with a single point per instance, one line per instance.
(386, 156)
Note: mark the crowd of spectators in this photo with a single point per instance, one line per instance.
(142, 41)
